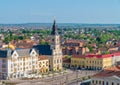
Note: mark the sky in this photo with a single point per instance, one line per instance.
(66, 11)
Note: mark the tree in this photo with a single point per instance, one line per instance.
(90, 48)
(68, 57)
(44, 43)
(21, 37)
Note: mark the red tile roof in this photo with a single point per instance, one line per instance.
(109, 72)
(116, 54)
(92, 56)
(42, 58)
(100, 56)
(79, 56)
(65, 60)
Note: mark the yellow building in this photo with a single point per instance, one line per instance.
(43, 64)
(78, 61)
(91, 61)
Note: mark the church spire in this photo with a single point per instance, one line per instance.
(54, 28)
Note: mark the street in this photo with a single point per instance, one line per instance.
(69, 78)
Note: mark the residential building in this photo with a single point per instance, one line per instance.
(75, 50)
(110, 76)
(17, 63)
(95, 61)
(43, 64)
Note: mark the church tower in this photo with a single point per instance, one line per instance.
(56, 60)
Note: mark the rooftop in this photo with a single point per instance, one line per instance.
(112, 71)
(42, 57)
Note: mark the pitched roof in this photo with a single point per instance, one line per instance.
(66, 60)
(43, 49)
(109, 72)
(78, 56)
(93, 56)
(24, 52)
(41, 57)
(100, 56)
(5, 53)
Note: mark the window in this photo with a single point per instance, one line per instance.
(106, 83)
(57, 39)
(14, 54)
(53, 40)
(60, 60)
(99, 82)
(4, 60)
(96, 82)
(54, 61)
(3, 66)
(33, 53)
(103, 83)
(47, 63)
(57, 60)
(112, 83)
(40, 64)
(93, 81)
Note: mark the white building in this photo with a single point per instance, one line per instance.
(109, 76)
(17, 63)
(20, 63)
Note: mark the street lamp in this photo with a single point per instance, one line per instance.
(76, 77)
(52, 77)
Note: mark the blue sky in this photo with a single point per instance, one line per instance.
(66, 11)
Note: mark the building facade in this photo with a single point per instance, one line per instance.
(95, 61)
(43, 64)
(17, 63)
(56, 59)
(110, 76)
(52, 51)
(39, 59)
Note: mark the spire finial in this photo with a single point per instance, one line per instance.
(54, 19)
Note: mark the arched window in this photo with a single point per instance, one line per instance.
(57, 60)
